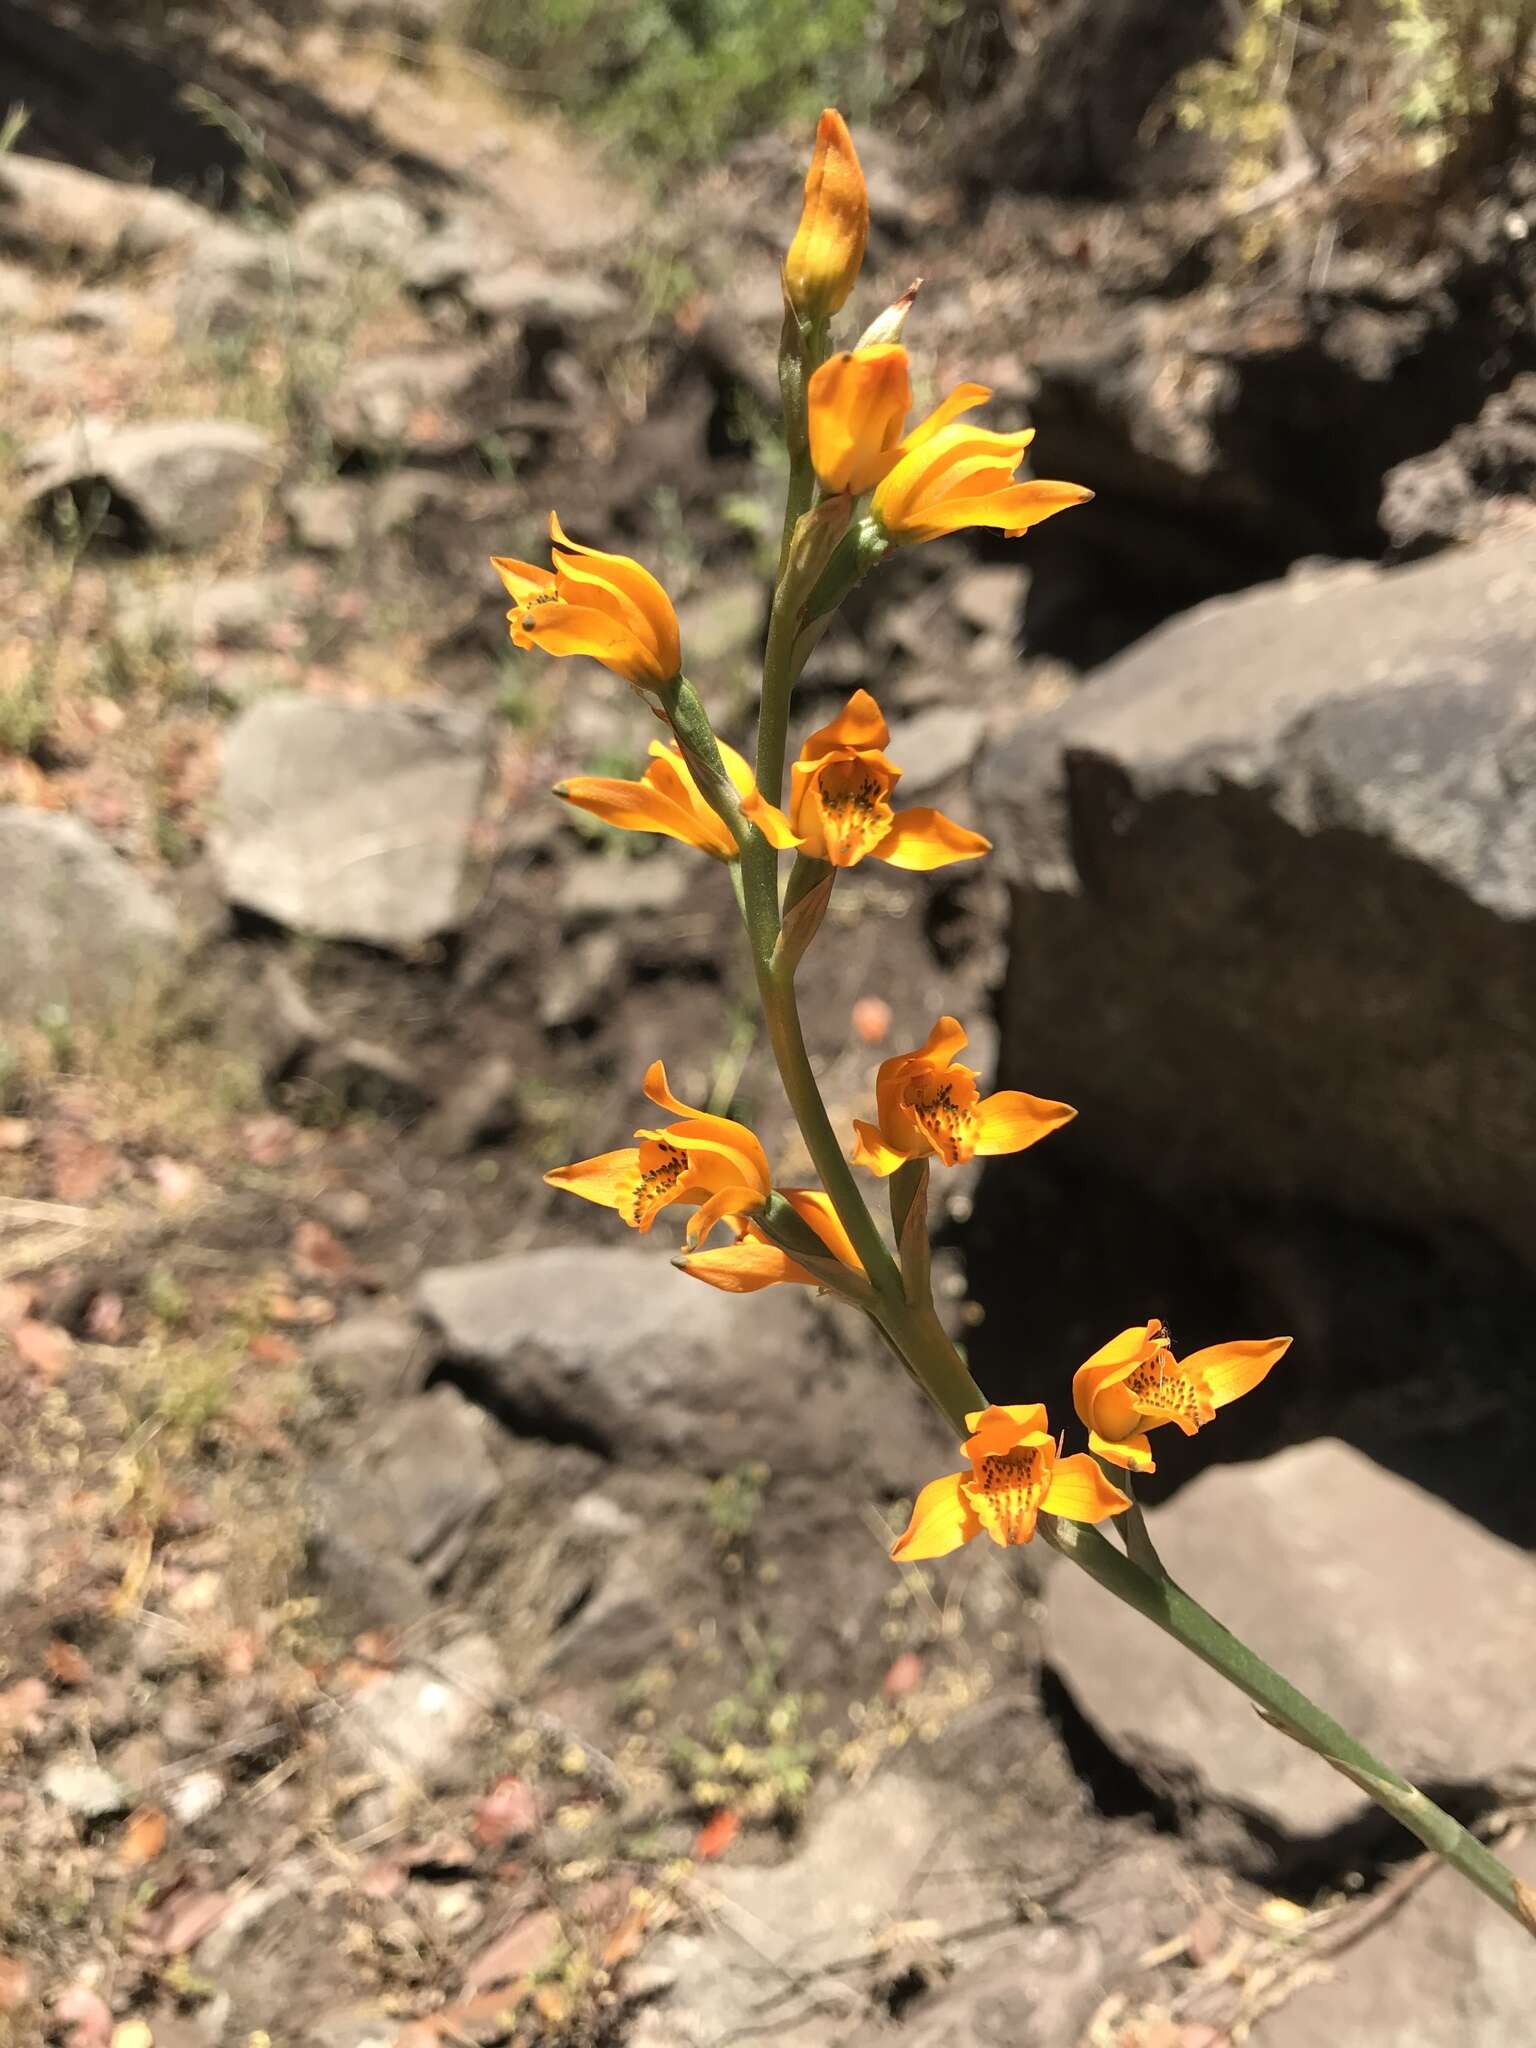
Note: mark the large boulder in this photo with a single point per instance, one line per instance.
(609, 1346)
(168, 483)
(1402, 1618)
(56, 211)
(1273, 933)
(353, 821)
(79, 927)
(1274, 895)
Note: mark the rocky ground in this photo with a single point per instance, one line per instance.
(417, 1599)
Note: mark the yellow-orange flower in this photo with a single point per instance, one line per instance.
(709, 1162)
(929, 1107)
(666, 799)
(1015, 1477)
(1135, 1384)
(856, 407)
(951, 475)
(828, 248)
(755, 1261)
(606, 606)
(840, 801)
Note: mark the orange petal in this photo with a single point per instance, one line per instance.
(1079, 1491)
(859, 725)
(816, 1209)
(730, 1201)
(640, 807)
(770, 821)
(657, 1090)
(746, 1267)
(871, 1150)
(1001, 1428)
(1132, 1453)
(1230, 1370)
(856, 406)
(942, 1519)
(1103, 1402)
(612, 1179)
(523, 579)
(1010, 1121)
(634, 585)
(921, 839)
(582, 629)
(946, 1038)
(1014, 509)
(964, 398)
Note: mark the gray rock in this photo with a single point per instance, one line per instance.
(528, 293)
(1409, 1623)
(580, 980)
(609, 1345)
(21, 296)
(408, 1494)
(482, 1106)
(933, 745)
(1244, 858)
(100, 312)
(78, 926)
(352, 821)
(377, 1355)
(54, 210)
(458, 250)
(990, 598)
(340, 517)
(618, 890)
(15, 1552)
(234, 278)
(226, 611)
(418, 1727)
(360, 226)
(86, 1790)
(371, 409)
(1453, 492)
(1447, 1970)
(176, 483)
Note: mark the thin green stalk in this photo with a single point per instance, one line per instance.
(777, 991)
(1173, 1611)
(778, 689)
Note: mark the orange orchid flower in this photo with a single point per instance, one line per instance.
(716, 1165)
(606, 606)
(856, 407)
(755, 1261)
(939, 477)
(667, 800)
(929, 1107)
(1134, 1383)
(839, 803)
(1015, 1477)
(828, 249)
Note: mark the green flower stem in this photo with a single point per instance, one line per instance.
(781, 1012)
(1173, 1611)
(802, 351)
(755, 874)
(778, 689)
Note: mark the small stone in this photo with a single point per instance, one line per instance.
(386, 403)
(526, 292)
(79, 927)
(364, 226)
(86, 1790)
(417, 1727)
(352, 821)
(197, 1795)
(990, 598)
(328, 519)
(171, 483)
(54, 209)
(380, 1355)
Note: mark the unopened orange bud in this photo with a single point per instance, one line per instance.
(828, 248)
(856, 410)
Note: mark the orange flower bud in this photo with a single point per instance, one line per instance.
(828, 248)
(856, 407)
